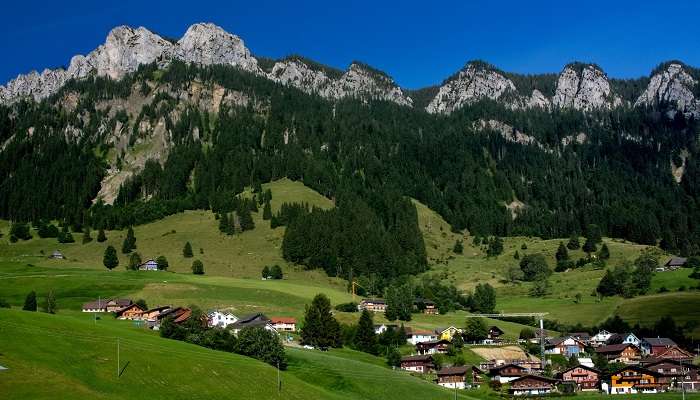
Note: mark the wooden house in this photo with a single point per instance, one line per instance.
(425, 306)
(654, 347)
(675, 353)
(632, 379)
(675, 263)
(532, 385)
(433, 347)
(132, 312)
(374, 305)
(97, 306)
(566, 346)
(153, 314)
(620, 353)
(460, 377)
(495, 333)
(508, 372)
(284, 324)
(675, 374)
(115, 305)
(585, 378)
(422, 363)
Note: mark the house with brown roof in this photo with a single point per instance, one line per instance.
(653, 347)
(566, 346)
(374, 305)
(632, 379)
(508, 372)
(433, 347)
(154, 314)
(460, 377)
(620, 353)
(284, 324)
(584, 337)
(675, 263)
(421, 363)
(97, 306)
(132, 312)
(495, 333)
(115, 305)
(585, 378)
(676, 374)
(532, 385)
(675, 353)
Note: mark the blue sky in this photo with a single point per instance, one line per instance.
(419, 43)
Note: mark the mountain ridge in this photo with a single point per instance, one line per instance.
(579, 85)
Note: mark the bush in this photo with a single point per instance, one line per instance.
(347, 307)
(20, 231)
(197, 267)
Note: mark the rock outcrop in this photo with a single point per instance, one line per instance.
(586, 88)
(672, 85)
(208, 44)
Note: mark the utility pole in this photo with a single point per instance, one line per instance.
(118, 362)
(682, 379)
(279, 381)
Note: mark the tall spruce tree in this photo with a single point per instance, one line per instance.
(320, 328)
(101, 237)
(30, 302)
(110, 259)
(365, 338)
(187, 250)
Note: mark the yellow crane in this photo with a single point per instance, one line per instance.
(354, 285)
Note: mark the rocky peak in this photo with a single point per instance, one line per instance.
(474, 82)
(207, 44)
(674, 85)
(584, 87)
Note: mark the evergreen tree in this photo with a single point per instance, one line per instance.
(484, 300)
(276, 272)
(393, 357)
(134, 261)
(224, 226)
(245, 219)
(365, 338)
(458, 247)
(495, 247)
(267, 211)
(129, 242)
(110, 259)
(516, 255)
(20, 231)
(573, 243)
(589, 246)
(604, 253)
(30, 302)
(320, 329)
(162, 263)
(562, 254)
(187, 250)
(65, 236)
(86, 235)
(197, 267)
(50, 306)
(593, 234)
(101, 237)
(266, 272)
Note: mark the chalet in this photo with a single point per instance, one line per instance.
(495, 333)
(379, 329)
(115, 305)
(422, 363)
(433, 347)
(57, 255)
(530, 365)
(253, 320)
(459, 377)
(583, 337)
(426, 306)
(676, 374)
(532, 385)
(149, 265)
(653, 347)
(154, 314)
(566, 346)
(632, 379)
(132, 312)
(620, 353)
(284, 324)
(98, 306)
(374, 305)
(179, 314)
(674, 353)
(600, 338)
(221, 319)
(626, 338)
(675, 263)
(585, 378)
(448, 333)
(508, 372)
(414, 336)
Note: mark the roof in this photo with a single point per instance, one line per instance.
(159, 308)
(535, 377)
(495, 328)
(102, 303)
(425, 357)
(419, 332)
(504, 366)
(677, 261)
(283, 320)
(376, 301)
(130, 306)
(433, 342)
(581, 366)
(183, 316)
(252, 320)
(614, 348)
(638, 369)
(121, 302)
(453, 371)
(582, 335)
(660, 341)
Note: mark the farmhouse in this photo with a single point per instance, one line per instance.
(448, 333)
(253, 320)
(507, 373)
(149, 265)
(530, 385)
(566, 347)
(675, 263)
(433, 347)
(97, 306)
(456, 377)
(620, 353)
(284, 324)
(626, 338)
(426, 306)
(115, 305)
(632, 379)
(422, 363)
(374, 305)
(222, 319)
(154, 313)
(495, 333)
(675, 353)
(654, 347)
(600, 338)
(132, 312)
(676, 374)
(417, 336)
(585, 378)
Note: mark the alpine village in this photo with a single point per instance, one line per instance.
(184, 218)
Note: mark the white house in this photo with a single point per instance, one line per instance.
(149, 265)
(586, 362)
(221, 319)
(600, 338)
(416, 336)
(284, 324)
(626, 338)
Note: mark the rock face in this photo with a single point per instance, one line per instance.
(673, 85)
(586, 90)
(358, 81)
(208, 44)
(471, 84)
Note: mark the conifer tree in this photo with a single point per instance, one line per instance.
(266, 272)
(134, 261)
(101, 237)
(86, 235)
(365, 338)
(458, 247)
(573, 243)
(562, 254)
(187, 250)
(50, 305)
(110, 259)
(197, 267)
(320, 328)
(162, 263)
(30, 302)
(604, 253)
(267, 211)
(129, 242)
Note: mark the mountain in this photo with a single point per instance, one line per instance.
(578, 86)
